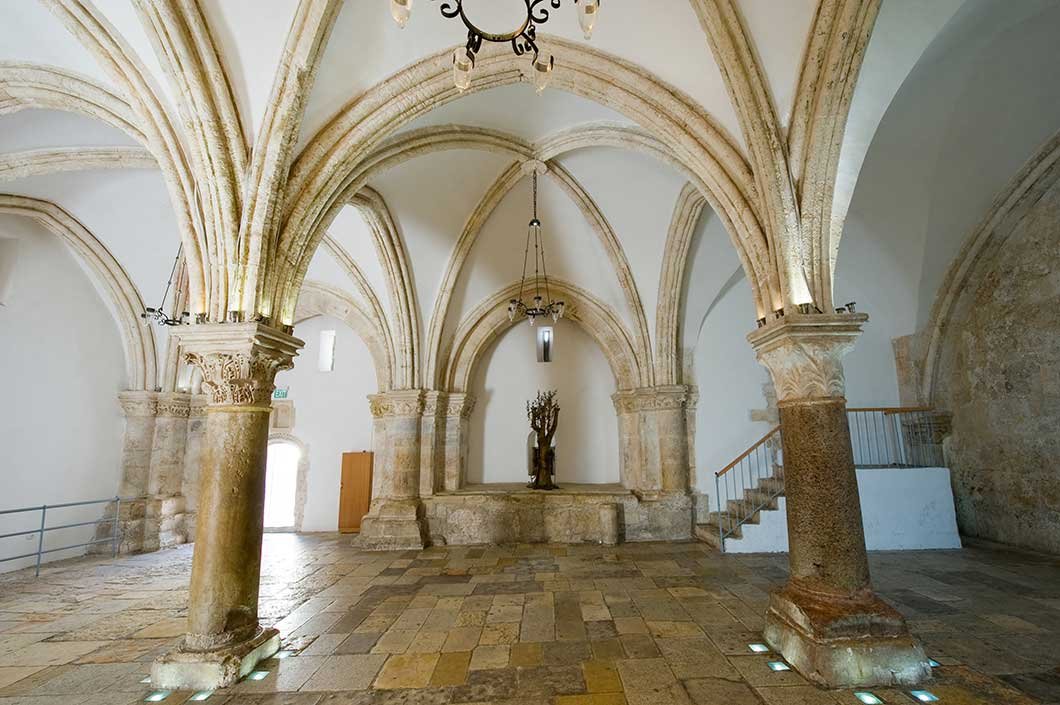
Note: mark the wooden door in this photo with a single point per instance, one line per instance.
(355, 492)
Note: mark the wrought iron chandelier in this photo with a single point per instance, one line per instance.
(523, 37)
(159, 315)
(542, 303)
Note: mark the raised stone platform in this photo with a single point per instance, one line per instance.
(575, 513)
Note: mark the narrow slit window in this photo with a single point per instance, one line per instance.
(326, 361)
(545, 341)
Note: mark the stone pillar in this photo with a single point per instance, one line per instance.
(457, 432)
(395, 518)
(193, 461)
(653, 430)
(432, 443)
(826, 621)
(224, 641)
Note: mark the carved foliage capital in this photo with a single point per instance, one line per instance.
(661, 398)
(804, 353)
(460, 405)
(404, 402)
(238, 362)
(138, 404)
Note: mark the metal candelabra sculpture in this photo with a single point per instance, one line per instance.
(543, 413)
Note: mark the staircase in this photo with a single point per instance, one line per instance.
(750, 487)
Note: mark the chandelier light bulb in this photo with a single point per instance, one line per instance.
(542, 71)
(587, 12)
(401, 10)
(462, 65)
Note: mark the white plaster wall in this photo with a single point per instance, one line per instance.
(509, 375)
(61, 425)
(39, 129)
(331, 413)
(902, 509)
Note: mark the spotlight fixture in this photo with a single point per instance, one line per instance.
(200, 696)
(778, 313)
(778, 666)
(157, 696)
(933, 663)
(159, 315)
(868, 698)
(758, 648)
(258, 675)
(924, 696)
(761, 321)
(522, 37)
(542, 303)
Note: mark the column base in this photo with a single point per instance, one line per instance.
(840, 644)
(209, 670)
(393, 525)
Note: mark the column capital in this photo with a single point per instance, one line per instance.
(238, 361)
(804, 352)
(138, 404)
(660, 398)
(399, 402)
(461, 405)
(174, 405)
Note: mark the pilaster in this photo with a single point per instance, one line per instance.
(826, 621)
(395, 518)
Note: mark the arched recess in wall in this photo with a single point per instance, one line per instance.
(277, 438)
(109, 277)
(330, 165)
(319, 299)
(1039, 175)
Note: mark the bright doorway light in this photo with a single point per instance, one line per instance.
(281, 484)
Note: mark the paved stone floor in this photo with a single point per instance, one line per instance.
(522, 625)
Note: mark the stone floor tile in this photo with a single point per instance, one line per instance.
(451, 669)
(324, 645)
(489, 657)
(13, 674)
(592, 699)
(663, 630)
(358, 643)
(52, 653)
(504, 633)
(346, 672)
(565, 653)
(412, 619)
(475, 618)
(407, 671)
(630, 625)
(427, 642)
(167, 628)
(601, 677)
(487, 687)
(285, 675)
(696, 658)
(501, 613)
(805, 695)
(394, 641)
(650, 682)
(526, 654)
(639, 646)
(462, 639)
(87, 679)
(755, 670)
(595, 613)
(714, 691)
(549, 681)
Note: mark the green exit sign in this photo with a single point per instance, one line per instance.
(279, 393)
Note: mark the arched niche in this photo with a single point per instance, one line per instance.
(508, 375)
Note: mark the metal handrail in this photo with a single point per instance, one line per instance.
(881, 437)
(114, 540)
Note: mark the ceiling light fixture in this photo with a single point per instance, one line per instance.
(523, 37)
(542, 303)
(159, 315)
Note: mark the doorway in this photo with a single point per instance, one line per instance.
(282, 464)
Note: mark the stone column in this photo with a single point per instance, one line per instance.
(457, 431)
(165, 505)
(395, 518)
(654, 450)
(224, 641)
(826, 621)
(432, 443)
(193, 461)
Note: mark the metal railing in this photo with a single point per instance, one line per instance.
(880, 437)
(114, 539)
(896, 437)
(743, 480)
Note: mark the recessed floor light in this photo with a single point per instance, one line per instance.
(924, 696)
(146, 680)
(868, 698)
(778, 666)
(758, 648)
(933, 663)
(157, 696)
(257, 675)
(201, 695)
